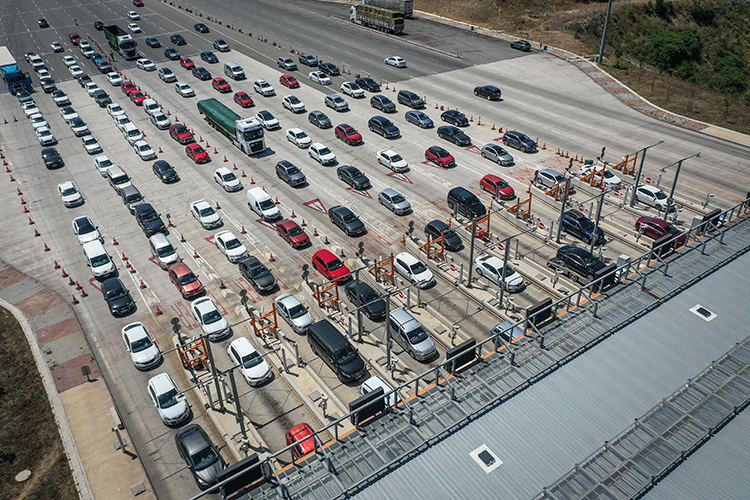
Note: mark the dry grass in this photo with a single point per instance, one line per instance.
(29, 438)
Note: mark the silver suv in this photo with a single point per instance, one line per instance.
(286, 63)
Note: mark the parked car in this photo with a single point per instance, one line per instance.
(207, 314)
(659, 228)
(308, 59)
(165, 172)
(253, 367)
(454, 135)
(348, 134)
(395, 61)
(293, 312)
(383, 103)
(655, 197)
(227, 180)
(201, 28)
(419, 118)
(286, 63)
(491, 267)
(117, 297)
(368, 84)
(610, 180)
(497, 187)
(437, 228)
(352, 90)
(243, 99)
(394, 201)
(346, 220)
(289, 81)
(319, 119)
(205, 214)
(298, 137)
(439, 156)
(289, 173)
(329, 69)
(320, 153)
(168, 400)
(410, 99)
(455, 117)
(363, 297)
(383, 126)
(144, 353)
(293, 104)
(301, 436)
(580, 226)
(353, 177)
(257, 274)
(390, 159)
(185, 280)
(523, 45)
(413, 270)
(319, 77)
(336, 102)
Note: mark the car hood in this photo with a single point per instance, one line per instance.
(514, 280)
(120, 303)
(266, 281)
(71, 198)
(210, 474)
(361, 182)
(171, 174)
(215, 327)
(299, 176)
(404, 205)
(424, 277)
(425, 347)
(193, 287)
(353, 369)
(174, 412)
(355, 226)
(300, 238)
(146, 356)
(303, 321)
(236, 253)
(212, 219)
(256, 372)
(376, 308)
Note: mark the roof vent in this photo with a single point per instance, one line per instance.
(702, 312)
(487, 460)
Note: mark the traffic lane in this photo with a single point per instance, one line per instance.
(345, 392)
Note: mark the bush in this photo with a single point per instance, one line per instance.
(730, 73)
(671, 48)
(704, 16)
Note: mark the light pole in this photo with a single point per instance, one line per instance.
(640, 169)
(677, 173)
(604, 33)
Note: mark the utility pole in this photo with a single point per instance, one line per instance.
(640, 170)
(600, 58)
(562, 209)
(596, 222)
(471, 251)
(677, 173)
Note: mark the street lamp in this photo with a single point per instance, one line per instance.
(677, 173)
(640, 169)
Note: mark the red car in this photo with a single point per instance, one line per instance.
(348, 134)
(658, 228)
(221, 85)
(292, 233)
(186, 282)
(331, 267)
(181, 133)
(128, 87)
(439, 156)
(196, 153)
(187, 63)
(497, 186)
(74, 38)
(289, 81)
(302, 435)
(243, 99)
(138, 3)
(137, 97)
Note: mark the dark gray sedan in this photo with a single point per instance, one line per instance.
(200, 454)
(454, 135)
(257, 274)
(353, 177)
(319, 119)
(346, 220)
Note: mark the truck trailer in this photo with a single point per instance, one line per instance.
(245, 133)
(377, 18)
(122, 42)
(405, 7)
(12, 74)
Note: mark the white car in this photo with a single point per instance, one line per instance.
(79, 127)
(160, 120)
(37, 121)
(208, 316)
(252, 365)
(226, 179)
(75, 71)
(205, 214)
(45, 136)
(115, 109)
(299, 137)
(144, 150)
(352, 89)
(68, 113)
(114, 79)
(293, 104)
(167, 75)
(87, 51)
(57, 47)
(395, 61)
(134, 28)
(91, 88)
(654, 197)
(85, 230)
(70, 195)
(145, 65)
(102, 164)
(133, 16)
(320, 153)
(43, 73)
(121, 121)
(60, 98)
(31, 110)
(319, 77)
(90, 144)
(391, 159)
(171, 404)
(491, 267)
(230, 246)
(293, 312)
(263, 88)
(375, 382)
(69, 61)
(413, 269)
(141, 345)
(184, 89)
(267, 120)
(610, 179)
(84, 44)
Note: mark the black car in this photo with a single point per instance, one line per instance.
(148, 219)
(523, 45)
(368, 84)
(454, 135)
(353, 177)
(117, 297)
(201, 28)
(346, 220)
(171, 53)
(520, 141)
(177, 39)
(48, 85)
(43, 23)
(201, 73)
(455, 117)
(580, 226)
(580, 262)
(382, 103)
(102, 98)
(84, 79)
(489, 92)
(436, 228)
(165, 172)
(209, 57)
(363, 296)
(329, 69)
(257, 274)
(409, 98)
(319, 119)
(98, 25)
(200, 455)
(154, 42)
(383, 126)
(52, 158)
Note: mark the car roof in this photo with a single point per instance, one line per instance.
(582, 252)
(201, 204)
(361, 286)
(439, 225)
(287, 299)
(407, 257)
(287, 223)
(390, 192)
(193, 438)
(243, 346)
(651, 189)
(223, 171)
(326, 255)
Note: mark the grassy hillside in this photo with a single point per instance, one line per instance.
(692, 57)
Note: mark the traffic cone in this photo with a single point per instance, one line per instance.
(225, 156)
(315, 231)
(132, 269)
(75, 300)
(243, 175)
(403, 239)
(234, 166)
(277, 200)
(160, 151)
(176, 119)
(64, 274)
(215, 150)
(169, 222)
(5, 121)
(143, 285)
(70, 281)
(158, 311)
(218, 207)
(222, 285)
(182, 239)
(271, 259)
(78, 285)
(46, 248)
(293, 214)
(479, 120)
(83, 293)
(19, 191)
(326, 242)
(124, 257)
(242, 231)
(195, 254)
(341, 254)
(544, 146)
(23, 202)
(303, 223)
(493, 126)
(14, 118)
(201, 139)
(252, 181)
(114, 241)
(11, 178)
(449, 222)
(472, 118)
(31, 221)
(36, 232)
(57, 266)
(25, 209)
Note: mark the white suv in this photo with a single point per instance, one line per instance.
(172, 407)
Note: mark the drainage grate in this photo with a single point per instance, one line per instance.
(487, 460)
(702, 312)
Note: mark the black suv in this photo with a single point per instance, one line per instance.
(148, 219)
(519, 141)
(52, 158)
(117, 297)
(178, 40)
(438, 228)
(363, 296)
(329, 69)
(165, 172)
(410, 99)
(489, 92)
(368, 84)
(382, 103)
(454, 135)
(201, 28)
(383, 126)
(102, 98)
(346, 220)
(209, 57)
(455, 117)
(465, 202)
(201, 73)
(580, 226)
(257, 274)
(580, 262)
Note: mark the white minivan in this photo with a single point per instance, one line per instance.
(262, 204)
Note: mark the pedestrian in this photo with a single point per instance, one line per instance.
(76, 20)
(112, 55)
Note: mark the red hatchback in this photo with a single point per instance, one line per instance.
(292, 233)
(289, 81)
(243, 99)
(181, 133)
(497, 187)
(138, 3)
(186, 282)
(658, 228)
(187, 63)
(439, 156)
(74, 38)
(221, 85)
(196, 153)
(331, 267)
(128, 87)
(301, 434)
(137, 97)
(348, 134)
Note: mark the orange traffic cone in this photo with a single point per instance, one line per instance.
(158, 311)
(242, 231)
(271, 259)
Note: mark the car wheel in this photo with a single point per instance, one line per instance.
(371, 128)
(412, 355)
(479, 271)
(487, 97)
(426, 157)
(451, 205)
(476, 93)
(523, 149)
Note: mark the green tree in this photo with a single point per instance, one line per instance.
(671, 48)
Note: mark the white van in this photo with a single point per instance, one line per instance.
(131, 133)
(163, 251)
(234, 71)
(98, 260)
(150, 106)
(117, 178)
(262, 204)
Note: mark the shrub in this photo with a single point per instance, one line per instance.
(671, 48)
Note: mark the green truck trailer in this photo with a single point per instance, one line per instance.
(377, 18)
(245, 133)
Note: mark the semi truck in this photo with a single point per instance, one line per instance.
(405, 7)
(122, 42)
(377, 18)
(245, 133)
(12, 74)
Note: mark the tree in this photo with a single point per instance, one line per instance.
(671, 48)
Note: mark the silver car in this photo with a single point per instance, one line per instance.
(394, 201)
(293, 312)
(497, 154)
(410, 335)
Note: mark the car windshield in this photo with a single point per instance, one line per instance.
(229, 177)
(85, 227)
(673, 230)
(350, 217)
(608, 174)
(259, 272)
(324, 151)
(300, 135)
(197, 149)
(89, 142)
(345, 355)
(141, 344)
(356, 173)
(188, 278)
(117, 293)
(418, 267)
(69, 191)
(166, 71)
(265, 115)
(251, 135)
(168, 399)
(442, 153)
(267, 204)
(399, 198)
(234, 243)
(334, 265)
(295, 231)
(502, 184)
(396, 158)
(660, 195)
(338, 99)
(205, 212)
(590, 260)
(353, 86)
(587, 224)
(204, 458)
(294, 100)
(100, 260)
(144, 147)
(509, 271)
(252, 359)
(134, 133)
(211, 317)
(297, 311)
(105, 163)
(417, 335)
(165, 251)
(180, 129)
